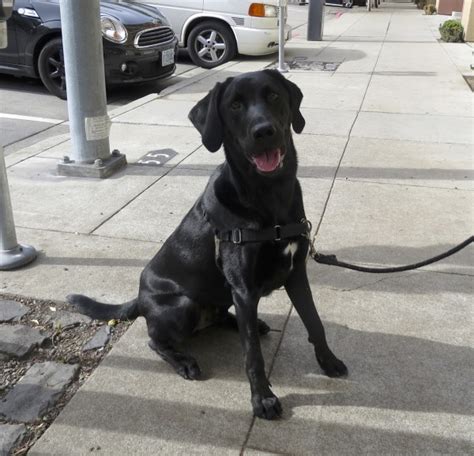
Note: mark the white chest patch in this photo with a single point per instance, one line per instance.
(291, 249)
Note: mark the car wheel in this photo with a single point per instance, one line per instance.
(51, 67)
(211, 43)
(349, 4)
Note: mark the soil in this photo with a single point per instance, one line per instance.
(64, 346)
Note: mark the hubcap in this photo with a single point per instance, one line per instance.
(56, 70)
(210, 46)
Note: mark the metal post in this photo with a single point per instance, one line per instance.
(85, 83)
(12, 254)
(315, 20)
(282, 67)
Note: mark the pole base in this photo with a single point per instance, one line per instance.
(99, 169)
(283, 68)
(21, 255)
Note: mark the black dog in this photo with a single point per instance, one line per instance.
(244, 237)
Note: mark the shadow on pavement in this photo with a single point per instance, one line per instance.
(327, 172)
(387, 371)
(325, 54)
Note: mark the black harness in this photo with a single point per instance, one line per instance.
(274, 233)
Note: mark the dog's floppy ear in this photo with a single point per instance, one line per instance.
(206, 117)
(297, 119)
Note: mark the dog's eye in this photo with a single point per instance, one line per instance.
(236, 105)
(273, 96)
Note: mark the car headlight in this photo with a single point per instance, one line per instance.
(113, 29)
(263, 10)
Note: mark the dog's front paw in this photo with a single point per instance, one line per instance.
(332, 366)
(267, 407)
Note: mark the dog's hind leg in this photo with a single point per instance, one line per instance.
(185, 365)
(230, 321)
(170, 323)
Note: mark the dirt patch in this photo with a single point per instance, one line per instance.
(64, 346)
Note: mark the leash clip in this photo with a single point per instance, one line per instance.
(309, 227)
(237, 236)
(277, 232)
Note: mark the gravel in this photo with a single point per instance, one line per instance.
(64, 346)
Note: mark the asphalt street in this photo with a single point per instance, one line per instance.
(27, 108)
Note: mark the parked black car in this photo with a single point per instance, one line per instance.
(139, 45)
(345, 3)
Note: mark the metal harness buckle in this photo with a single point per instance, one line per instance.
(237, 236)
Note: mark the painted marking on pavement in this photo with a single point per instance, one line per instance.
(30, 118)
(157, 157)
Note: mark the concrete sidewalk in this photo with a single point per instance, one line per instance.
(386, 169)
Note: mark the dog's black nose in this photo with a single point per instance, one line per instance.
(263, 130)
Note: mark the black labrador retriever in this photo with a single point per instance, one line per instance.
(244, 237)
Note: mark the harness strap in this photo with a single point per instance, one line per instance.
(275, 233)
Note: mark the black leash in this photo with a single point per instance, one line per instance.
(333, 261)
(303, 228)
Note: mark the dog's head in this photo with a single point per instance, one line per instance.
(251, 115)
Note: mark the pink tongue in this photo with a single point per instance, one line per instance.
(268, 161)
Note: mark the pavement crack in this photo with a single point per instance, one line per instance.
(447, 273)
(402, 184)
(368, 284)
(270, 370)
(168, 171)
(335, 176)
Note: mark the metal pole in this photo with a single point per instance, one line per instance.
(315, 20)
(85, 82)
(12, 254)
(282, 67)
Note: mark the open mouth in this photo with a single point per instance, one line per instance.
(269, 160)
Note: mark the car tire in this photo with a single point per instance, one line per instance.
(211, 44)
(51, 67)
(349, 4)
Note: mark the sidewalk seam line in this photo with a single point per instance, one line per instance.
(98, 236)
(425, 114)
(169, 170)
(34, 134)
(270, 370)
(36, 155)
(362, 181)
(326, 203)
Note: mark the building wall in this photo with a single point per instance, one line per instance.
(468, 20)
(446, 7)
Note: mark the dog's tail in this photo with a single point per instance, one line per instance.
(100, 311)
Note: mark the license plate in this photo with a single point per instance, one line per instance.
(167, 57)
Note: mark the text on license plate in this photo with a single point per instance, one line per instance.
(167, 57)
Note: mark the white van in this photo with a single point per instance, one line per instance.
(214, 31)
